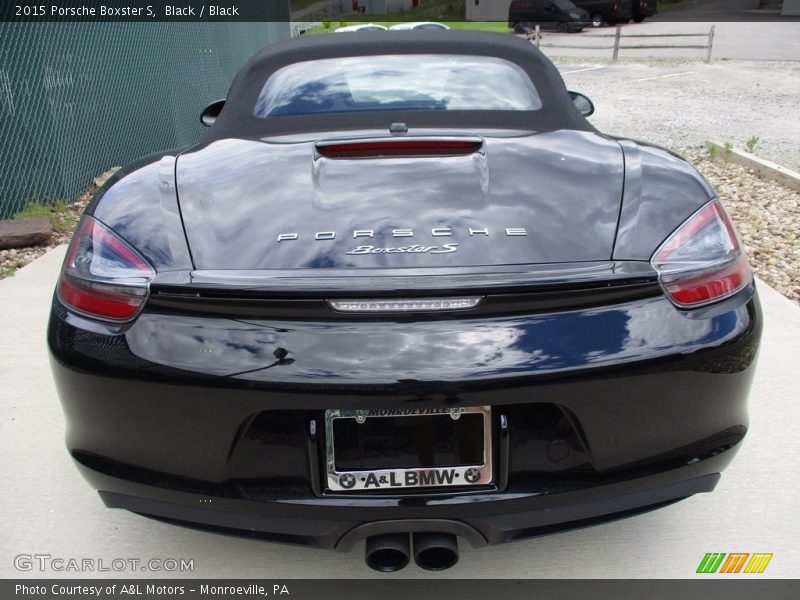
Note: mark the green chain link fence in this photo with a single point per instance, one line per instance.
(79, 98)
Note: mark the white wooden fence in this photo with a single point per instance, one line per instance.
(537, 36)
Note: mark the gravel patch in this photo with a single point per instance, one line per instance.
(767, 215)
(681, 104)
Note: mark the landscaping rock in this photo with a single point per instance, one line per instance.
(101, 179)
(767, 215)
(19, 233)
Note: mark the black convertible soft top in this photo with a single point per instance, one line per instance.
(557, 111)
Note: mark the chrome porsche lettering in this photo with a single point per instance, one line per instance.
(415, 249)
(405, 232)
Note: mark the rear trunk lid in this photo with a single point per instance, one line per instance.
(477, 201)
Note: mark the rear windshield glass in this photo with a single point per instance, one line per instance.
(397, 82)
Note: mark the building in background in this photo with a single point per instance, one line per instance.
(386, 6)
(487, 10)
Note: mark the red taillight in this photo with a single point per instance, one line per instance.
(702, 261)
(103, 276)
(389, 148)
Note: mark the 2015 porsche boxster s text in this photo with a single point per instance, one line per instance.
(403, 292)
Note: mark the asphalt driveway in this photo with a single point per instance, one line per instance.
(681, 104)
(48, 509)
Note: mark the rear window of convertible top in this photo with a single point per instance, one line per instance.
(397, 82)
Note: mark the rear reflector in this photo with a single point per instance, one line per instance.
(389, 148)
(405, 305)
(99, 301)
(702, 261)
(714, 286)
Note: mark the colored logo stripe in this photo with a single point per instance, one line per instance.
(758, 563)
(711, 562)
(734, 562)
(714, 562)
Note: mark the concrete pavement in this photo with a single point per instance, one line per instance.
(46, 507)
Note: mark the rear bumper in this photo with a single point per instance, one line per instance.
(340, 525)
(610, 410)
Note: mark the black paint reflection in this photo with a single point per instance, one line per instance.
(431, 350)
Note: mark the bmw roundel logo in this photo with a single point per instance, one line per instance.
(472, 475)
(347, 480)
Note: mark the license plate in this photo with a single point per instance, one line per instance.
(385, 449)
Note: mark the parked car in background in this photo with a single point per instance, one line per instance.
(420, 26)
(607, 11)
(562, 15)
(362, 27)
(643, 9)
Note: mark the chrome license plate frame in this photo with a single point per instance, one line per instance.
(372, 480)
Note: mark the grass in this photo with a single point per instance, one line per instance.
(443, 11)
(668, 5)
(752, 143)
(9, 268)
(432, 10)
(450, 12)
(61, 216)
(496, 26)
(300, 4)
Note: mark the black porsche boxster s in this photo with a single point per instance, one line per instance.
(403, 292)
